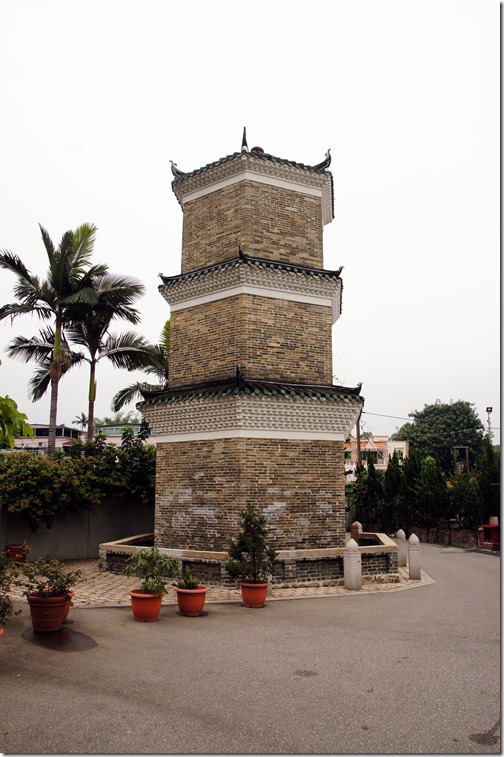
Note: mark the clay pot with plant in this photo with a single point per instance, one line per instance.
(154, 570)
(46, 584)
(18, 552)
(191, 594)
(251, 558)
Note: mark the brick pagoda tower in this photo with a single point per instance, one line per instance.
(251, 413)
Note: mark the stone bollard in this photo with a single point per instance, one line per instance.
(415, 573)
(356, 531)
(402, 548)
(352, 566)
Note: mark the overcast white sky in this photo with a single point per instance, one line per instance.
(97, 97)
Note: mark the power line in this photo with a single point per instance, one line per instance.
(381, 415)
(412, 420)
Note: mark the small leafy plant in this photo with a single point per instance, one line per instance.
(188, 581)
(6, 606)
(153, 569)
(250, 558)
(47, 578)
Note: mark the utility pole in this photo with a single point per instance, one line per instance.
(488, 411)
(359, 456)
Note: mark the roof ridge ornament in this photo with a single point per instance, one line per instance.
(325, 163)
(176, 172)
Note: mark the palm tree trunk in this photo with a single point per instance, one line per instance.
(55, 373)
(53, 409)
(92, 397)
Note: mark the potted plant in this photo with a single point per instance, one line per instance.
(46, 585)
(6, 606)
(18, 552)
(154, 569)
(250, 558)
(190, 594)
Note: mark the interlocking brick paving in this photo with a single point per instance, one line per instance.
(102, 589)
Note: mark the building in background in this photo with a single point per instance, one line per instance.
(65, 435)
(377, 449)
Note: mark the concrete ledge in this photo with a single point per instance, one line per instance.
(293, 567)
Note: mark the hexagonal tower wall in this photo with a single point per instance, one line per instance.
(250, 413)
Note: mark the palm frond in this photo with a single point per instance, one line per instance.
(14, 309)
(164, 339)
(125, 396)
(128, 350)
(83, 244)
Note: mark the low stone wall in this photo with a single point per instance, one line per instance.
(293, 568)
(77, 535)
(458, 537)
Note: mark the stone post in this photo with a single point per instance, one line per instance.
(356, 531)
(352, 566)
(402, 548)
(414, 558)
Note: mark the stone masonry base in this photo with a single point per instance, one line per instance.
(293, 568)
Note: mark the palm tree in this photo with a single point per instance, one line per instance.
(89, 328)
(158, 367)
(81, 420)
(69, 282)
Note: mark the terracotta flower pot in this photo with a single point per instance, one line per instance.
(145, 607)
(16, 553)
(47, 611)
(191, 601)
(254, 595)
(70, 595)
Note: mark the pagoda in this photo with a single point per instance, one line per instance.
(251, 414)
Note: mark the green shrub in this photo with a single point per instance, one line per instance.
(38, 488)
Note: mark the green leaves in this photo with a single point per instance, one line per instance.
(153, 569)
(39, 488)
(12, 423)
(439, 427)
(251, 559)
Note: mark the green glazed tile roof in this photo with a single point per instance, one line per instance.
(240, 385)
(261, 155)
(243, 259)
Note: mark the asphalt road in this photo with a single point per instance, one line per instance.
(414, 671)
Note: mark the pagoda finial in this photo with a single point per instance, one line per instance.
(244, 146)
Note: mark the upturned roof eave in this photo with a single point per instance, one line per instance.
(240, 385)
(242, 258)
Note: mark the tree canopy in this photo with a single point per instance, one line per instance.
(440, 427)
(68, 283)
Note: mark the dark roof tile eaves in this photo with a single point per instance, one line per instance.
(261, 155)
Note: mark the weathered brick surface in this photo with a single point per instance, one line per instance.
(202, 486)
(267, 221)
(268, 338)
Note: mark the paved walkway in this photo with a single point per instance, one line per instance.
(103, 589)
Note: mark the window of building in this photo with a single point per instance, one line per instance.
(399, 453)
(371, 456)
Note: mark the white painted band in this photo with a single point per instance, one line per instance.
(252, 176)
(252, 433)
(277, 294)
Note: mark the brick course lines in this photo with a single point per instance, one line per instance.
(267, 221)
(201, 487)
(267, 338)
